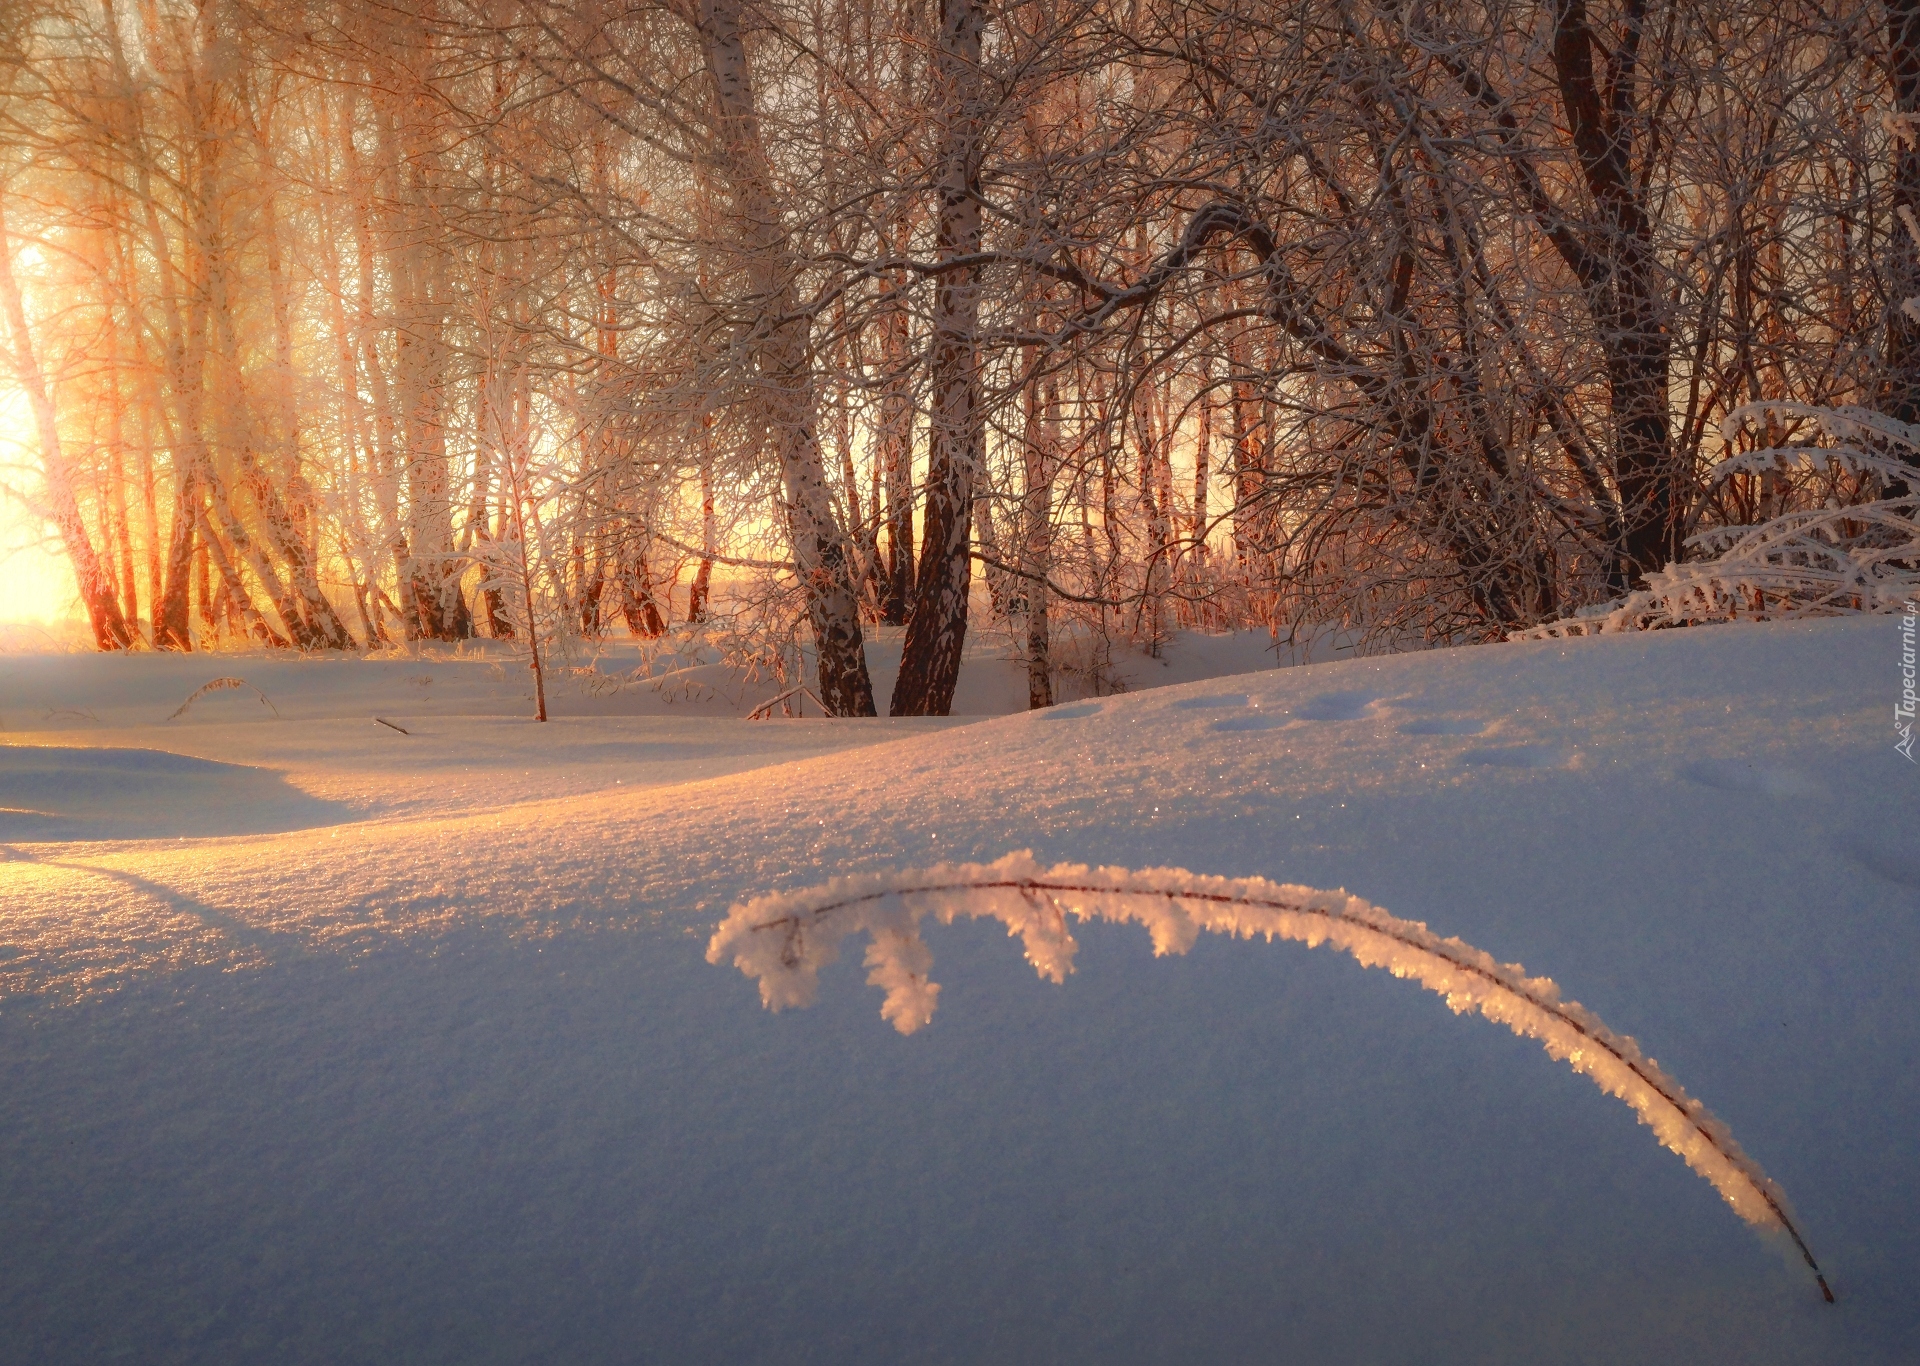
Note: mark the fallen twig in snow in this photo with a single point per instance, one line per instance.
(783, 940)
(216, 685)
(390, 726)
(765, 709)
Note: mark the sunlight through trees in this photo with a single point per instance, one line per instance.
(338, 325)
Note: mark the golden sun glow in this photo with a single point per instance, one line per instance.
(36, 582)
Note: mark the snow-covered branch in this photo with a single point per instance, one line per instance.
(1842, 554)
(784, 939)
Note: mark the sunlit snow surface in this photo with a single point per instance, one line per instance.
(361, 1046)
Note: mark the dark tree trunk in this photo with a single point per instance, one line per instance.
(1899, 394)
(642, 613)
(172, 628)
(1036, 543)
(896, 456)
(1618, 269)
(937, 632)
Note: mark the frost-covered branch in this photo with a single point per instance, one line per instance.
(1839, 556)
(784, 939)
(218, 685)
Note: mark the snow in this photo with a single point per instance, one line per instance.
(324, 1042)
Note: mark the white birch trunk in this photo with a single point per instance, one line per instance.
(1036, 549)
(820, 550)
(110, 629)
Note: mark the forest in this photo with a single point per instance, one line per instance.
(344, 324)
(1295, 899)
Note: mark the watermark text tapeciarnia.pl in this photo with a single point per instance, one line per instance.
(1903, 709)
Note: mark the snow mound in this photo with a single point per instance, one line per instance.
(450, 1080)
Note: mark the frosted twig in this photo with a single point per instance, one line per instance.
(765, 709)
(783, 940)
(216, 685)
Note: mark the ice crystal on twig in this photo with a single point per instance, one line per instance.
(784, 939)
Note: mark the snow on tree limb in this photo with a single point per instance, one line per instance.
(782, 940)
(1839, 557)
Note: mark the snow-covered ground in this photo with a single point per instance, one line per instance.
(324, 1042)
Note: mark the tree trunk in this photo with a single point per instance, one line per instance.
(820, 551)
(173, 612)
(110, 628)
(937, 632)
(1249, 477)
(236, 595)
(309, 617)
(1618, 269)
(703, 576)
(1036, 542)
(1202, 467)
(384, 456)
(1155, 450)
(420, 376)
(896, 457)
(988, 533)
(637, 603)
(1899, 394)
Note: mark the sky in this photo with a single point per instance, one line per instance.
(36, 582)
